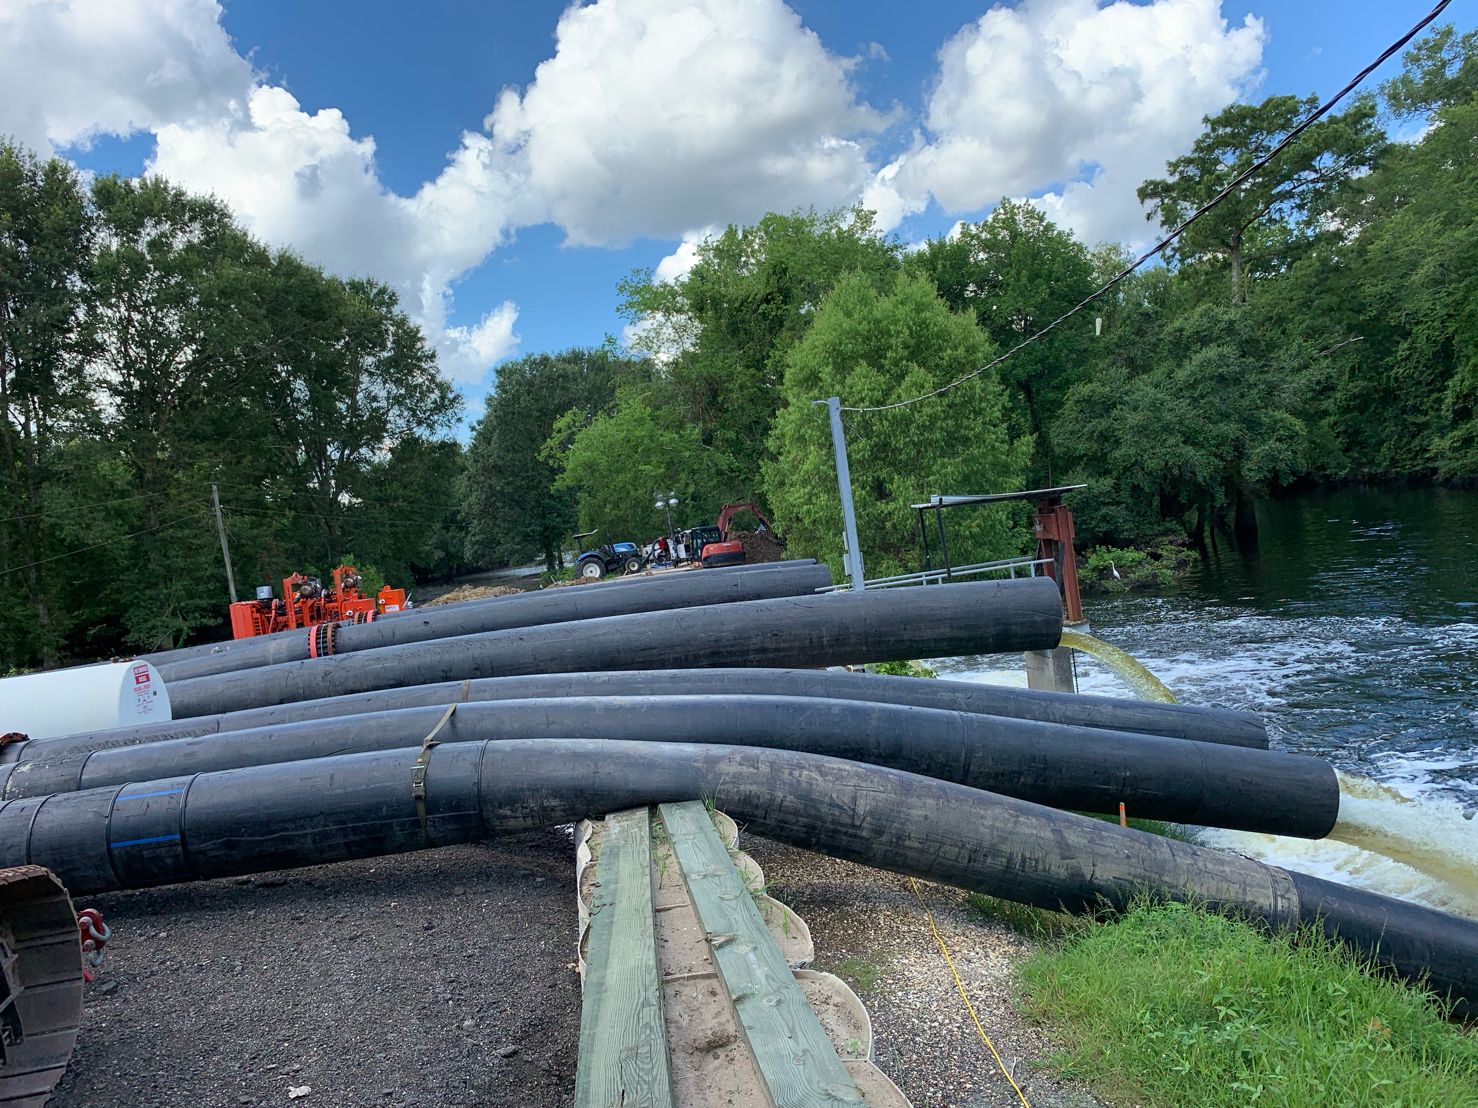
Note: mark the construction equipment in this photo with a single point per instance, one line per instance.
(306, 603)
(723, 548)
(694, 543)
(611, 557)
(729, 511)
(40, 983)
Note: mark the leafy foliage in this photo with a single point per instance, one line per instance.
(1261, 220)
(512, 507)
(1017, 272)
(726, 327)
(619, 459)
(875, 348)
(149, 348)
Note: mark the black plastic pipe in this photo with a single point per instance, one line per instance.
(647, 594)
(1078, 768)
(162, 658)
(1180, 721)
(982, 617)
(361, 805)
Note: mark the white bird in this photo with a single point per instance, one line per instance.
(1115, 571)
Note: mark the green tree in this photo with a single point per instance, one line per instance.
(1195, 433)
(512, 507)
(874, 348)
(616, 461)
(177, 339)
(725, 327)
(405, 519)
(1253, 229)
(45, 236)
(1017, 272)
(354, 380)
(1415, 271)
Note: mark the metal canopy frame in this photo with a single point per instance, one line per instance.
(938, 502)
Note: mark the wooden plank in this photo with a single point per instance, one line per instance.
(796, 1060)
(623, 1036)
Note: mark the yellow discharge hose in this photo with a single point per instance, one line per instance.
(1123, 665)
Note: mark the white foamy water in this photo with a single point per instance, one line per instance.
(1353, 632)
(1434, 836)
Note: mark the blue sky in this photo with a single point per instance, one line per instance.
(520, 249)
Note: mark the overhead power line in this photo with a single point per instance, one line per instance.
(80, 507)
(98, 545)
(1180, 228)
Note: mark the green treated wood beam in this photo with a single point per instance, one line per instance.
(623, 1036)
(796, 1060)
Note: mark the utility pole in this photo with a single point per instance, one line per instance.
(844, 483)
(215, 498)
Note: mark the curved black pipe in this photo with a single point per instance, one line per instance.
(1079, 768)
(647, 594)
(1180, 721)
(354, 806)
(982, 617)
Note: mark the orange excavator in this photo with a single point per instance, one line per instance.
(306, 603)
(729, 551)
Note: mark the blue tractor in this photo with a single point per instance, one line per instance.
(611, 557)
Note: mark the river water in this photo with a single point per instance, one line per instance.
(1354, 632)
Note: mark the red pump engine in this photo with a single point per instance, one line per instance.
(306, 603)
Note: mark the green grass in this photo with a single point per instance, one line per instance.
(1153, 826)
(1034, 923)
(860, 973)
(1171, 1006)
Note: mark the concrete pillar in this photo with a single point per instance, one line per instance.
(1052, 670)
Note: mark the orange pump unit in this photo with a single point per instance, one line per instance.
(306, 603)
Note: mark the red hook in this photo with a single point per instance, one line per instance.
(94, 934)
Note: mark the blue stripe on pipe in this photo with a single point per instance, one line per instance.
(145, 842)
(162, 792)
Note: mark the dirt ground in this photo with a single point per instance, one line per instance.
(470, 592)
(445, 978)
(437, 978)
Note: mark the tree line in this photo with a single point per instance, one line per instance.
(149, 348)
(1320, 325)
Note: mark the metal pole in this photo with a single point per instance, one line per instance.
(844, 484)
(924, 538)
(215, 498)
(943, 542)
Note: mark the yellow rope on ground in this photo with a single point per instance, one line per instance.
(960, 985)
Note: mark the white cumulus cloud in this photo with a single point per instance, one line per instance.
(72, 71)
(1075, 99)
(655, 117)
(305, 181)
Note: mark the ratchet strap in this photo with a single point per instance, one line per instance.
(423, 762)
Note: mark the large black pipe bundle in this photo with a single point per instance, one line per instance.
(976, 618)
(1180, 721)
(353, 806)
(1077, 768)
(645, 594)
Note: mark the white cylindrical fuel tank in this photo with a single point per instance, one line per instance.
(86, 698)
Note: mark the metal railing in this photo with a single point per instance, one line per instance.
(1009, 566)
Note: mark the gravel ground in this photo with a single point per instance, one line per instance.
(445, 978)
(869, 929)
(436, 978)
